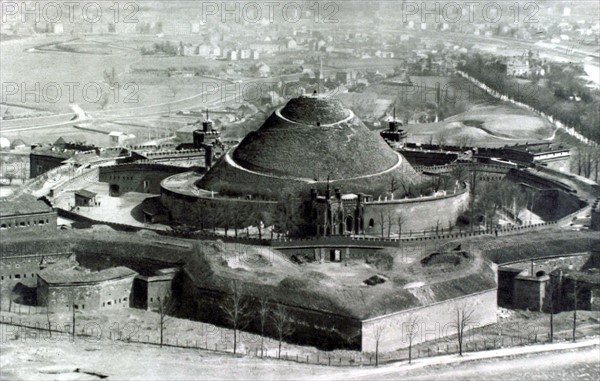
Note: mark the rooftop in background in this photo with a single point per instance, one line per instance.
(62, 149)
(77, 276)
(85, 193)
(23, 204)
(538, 147)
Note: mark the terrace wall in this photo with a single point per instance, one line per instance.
(194, 209)
(420, 213)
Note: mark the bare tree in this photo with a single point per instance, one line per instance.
(49, 322)
(464, 316)
(400, 220)
(552, 291)
(10, 177)
(165, 308)
(378, 334)
(263, 312)
(459, 173)
(464, 141)
(73, 317)
(111, 78)
(235, 307)
(390, 222)
(283, 324)
(382, 218)
(441, 138)
(411, 330)
(174, 85)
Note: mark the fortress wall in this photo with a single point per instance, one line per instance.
(132, 177)
(434, 321)
(420, 214)
(194, 209)
(310, 327)
(111, 293)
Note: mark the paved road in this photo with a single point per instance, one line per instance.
(572, 365)
(559, 361)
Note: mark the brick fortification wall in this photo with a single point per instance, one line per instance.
(420, 213)
(194, 209)
(310, 327)
(143, 178)
(434, 321)
(108, 294)
(35, 223)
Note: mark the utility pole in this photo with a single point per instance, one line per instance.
(73, 317)
(574, 307)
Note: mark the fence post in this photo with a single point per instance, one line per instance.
(307, 359)
(329, 361)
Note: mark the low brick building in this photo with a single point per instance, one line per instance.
(26, 214)
(150, 291)
(61, 289)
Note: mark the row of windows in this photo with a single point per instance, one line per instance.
(120, 177)
(23, 224)
(17, 276)
(110, 302)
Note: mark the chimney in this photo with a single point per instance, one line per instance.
(338, 193)
(313, 194)
(207, 124)
(393, 123)
(208, 155)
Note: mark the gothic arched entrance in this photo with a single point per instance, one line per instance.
(350, 224)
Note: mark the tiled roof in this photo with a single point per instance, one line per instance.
(76, 276)
(23, 204)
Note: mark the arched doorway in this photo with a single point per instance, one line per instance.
(114, 190)
(350, 224)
